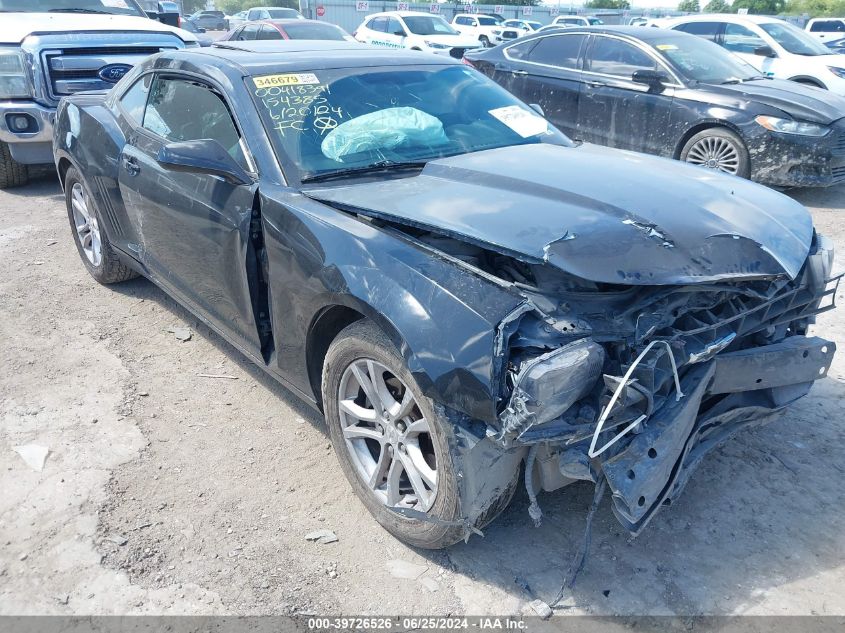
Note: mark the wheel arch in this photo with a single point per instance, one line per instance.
(328, 322)
(806, 79)
(700, 127)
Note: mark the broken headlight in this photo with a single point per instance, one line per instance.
(547, 385)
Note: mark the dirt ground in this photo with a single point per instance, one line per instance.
(167, 492)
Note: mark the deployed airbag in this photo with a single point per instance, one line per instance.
(384, 129)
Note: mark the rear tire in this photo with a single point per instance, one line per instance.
(720, 149)
(89, 234)
(12, 173)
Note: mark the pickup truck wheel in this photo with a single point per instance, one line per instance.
(485, 41)
(720, 149)
(90, 236)
(12, 173)
(392, 446)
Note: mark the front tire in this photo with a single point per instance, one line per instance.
(92, 242)
(392, 446)
(12, 173)
(485, 41)
(720, 149)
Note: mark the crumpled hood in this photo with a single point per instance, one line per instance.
(17, 26)
(602, 214)
(804, 103)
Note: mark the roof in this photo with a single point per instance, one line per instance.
(403, 14)
(284, 21)
(726, 17)
(258, 57)
(643, 33)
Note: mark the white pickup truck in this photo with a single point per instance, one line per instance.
(53, 48)
(827, 29)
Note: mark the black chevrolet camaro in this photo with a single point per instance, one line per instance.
(676, 95)
(459, 288)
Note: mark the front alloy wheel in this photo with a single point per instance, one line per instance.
(395, 450)
(719, 149)
(387, 436)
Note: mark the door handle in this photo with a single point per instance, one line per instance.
(130, 165)
(519, 73)
(594, 84)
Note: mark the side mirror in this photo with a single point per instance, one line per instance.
(765, 51)
(537, 108)
(400, 33)
(205, 156)
(654, 79)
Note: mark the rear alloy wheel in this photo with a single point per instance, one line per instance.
(719, 149)
(101, 260)
(392, 446)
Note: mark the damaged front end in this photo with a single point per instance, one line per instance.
(636, 384)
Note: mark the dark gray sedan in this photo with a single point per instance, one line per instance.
(676, 95)
(459, 288)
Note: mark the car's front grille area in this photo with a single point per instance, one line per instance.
(510, 35)
(838, 173)
(732, 321)
(73, 70)
(839, 144)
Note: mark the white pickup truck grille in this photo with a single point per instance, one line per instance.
(73, 70)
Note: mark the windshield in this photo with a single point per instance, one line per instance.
(313, 31)
(345, 119)
(425, 25)
(701, 60)
(281, 14)
(117, 7)
(794, 40)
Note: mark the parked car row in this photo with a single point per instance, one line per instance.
(463, 292)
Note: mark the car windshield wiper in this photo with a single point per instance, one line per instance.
(78, 10)
(381, 166)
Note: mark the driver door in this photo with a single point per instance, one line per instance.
(193, 229)
(615, 111)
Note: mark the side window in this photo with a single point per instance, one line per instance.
(461, 21)
(184, 110)
(521, 50)
(394, 27)
(269, 33)
(739, 39)
(134, 100)
(249, 32)
(252, 15)
(379, 24)
(707, 30)
(611, 56)
(558, 50)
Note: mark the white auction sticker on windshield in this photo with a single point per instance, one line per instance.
(115, 4)
(292, 79)
(521, 121)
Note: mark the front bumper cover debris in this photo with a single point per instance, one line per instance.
(754, 385)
